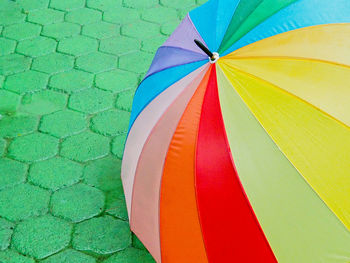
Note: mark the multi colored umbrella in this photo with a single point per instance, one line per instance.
(246, 157)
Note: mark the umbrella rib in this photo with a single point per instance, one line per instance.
(277, 36)
(156, 72)
(228, 27)
(252, 27)
(181, 48)
(289, 58)
(289, 93)
(172, 66)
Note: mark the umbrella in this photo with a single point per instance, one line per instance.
(243, 154)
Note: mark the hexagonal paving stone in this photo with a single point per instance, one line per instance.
(115, 205)
(33, 147)
(137, 62)
(53, 63)
(152, 44)
(27, 81)
(45, 16)
(121, 15)
(85, 146)
(11, 256)
(36, 46)
(63, 123)
(23, 201)
(159, 14)
(137, 243)
(168, 28)
(91, 100)
(17, 125)
(84, 16)
(118, 144)
(7, 46)
(61, 30)
(22, 31)
(116, 80)
(28, 5)
(41, 236)
(6, 229)
(2, 146)
(178, 3)
(184, 11)
(124, 100)
(13, 63)
(140, 3)
(110, 122)
(119, 45)
(43, 102)
(104, 174)
(100, 20)
(11, 13)
(8, 101)
(12, 173)
(67, 5)
(140, 30)
(77, 45)
(5, 237)
(5, 224)
(96, 62)
(72, 81)
(200, 2)
(103, 5)
(77, 202)
(55, 173)
(131, 255)
(71, 255)
(103, 235)
(101, 30)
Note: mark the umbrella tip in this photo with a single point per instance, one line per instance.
(213, 56)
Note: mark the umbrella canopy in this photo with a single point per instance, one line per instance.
(246, 157)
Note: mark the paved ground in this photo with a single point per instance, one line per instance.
(68, 71)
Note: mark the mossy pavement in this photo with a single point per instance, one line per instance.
(68, 72)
